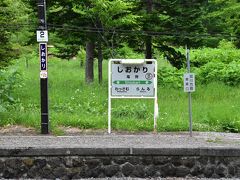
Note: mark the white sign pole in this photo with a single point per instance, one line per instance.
(132, 79)
(189, 94)
(109, 95)
(155, 100)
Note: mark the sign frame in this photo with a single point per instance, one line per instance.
(110, 96)
(39, 36)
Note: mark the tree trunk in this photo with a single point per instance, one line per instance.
(148, 42)
(89, 73)
(148, 53)
(100, 59)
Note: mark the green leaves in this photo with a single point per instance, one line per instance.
(111, 14)
(223, 16)
(9, 81)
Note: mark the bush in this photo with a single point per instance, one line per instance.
(226, 53)
(218, 71)
(210, 72)
(9, 80)
(170, 76)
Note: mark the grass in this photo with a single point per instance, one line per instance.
(216, 107)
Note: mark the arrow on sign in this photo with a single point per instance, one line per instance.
(132, 82)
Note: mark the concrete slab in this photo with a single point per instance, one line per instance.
(206, 144)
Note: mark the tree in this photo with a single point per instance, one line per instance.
(105, 16)
(13, 13)
(95, 22)
(223, 17)
(174, 22)
(6, 48)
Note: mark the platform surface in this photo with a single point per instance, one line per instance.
(201, 143)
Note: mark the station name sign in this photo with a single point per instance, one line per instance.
(133, 79)
(43, 60)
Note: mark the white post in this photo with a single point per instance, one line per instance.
(155, 99)
(109, 95)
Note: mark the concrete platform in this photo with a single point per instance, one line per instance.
(161, 144)
(211, 155)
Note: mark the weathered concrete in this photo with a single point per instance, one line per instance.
(159, 155)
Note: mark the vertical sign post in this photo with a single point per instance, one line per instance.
(42, 38)
(133, 79)
(189, 86)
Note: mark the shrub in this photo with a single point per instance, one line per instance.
(211, 71)
(226, 53)
(9, 80)
(231, 73)
(170, 76)
(218, 71)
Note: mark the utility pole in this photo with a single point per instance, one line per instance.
(189, 87)
(42, 38)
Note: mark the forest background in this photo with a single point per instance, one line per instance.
(85, 34)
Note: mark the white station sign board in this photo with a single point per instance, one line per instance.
(133, 79)
(42, 36)
(189, 82)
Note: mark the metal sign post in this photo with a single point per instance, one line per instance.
(42, 38)
(133, 79)
(189, 86)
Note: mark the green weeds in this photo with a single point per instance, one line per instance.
(216, 106)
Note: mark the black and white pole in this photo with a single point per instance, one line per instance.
(42, 38)
(189, 92)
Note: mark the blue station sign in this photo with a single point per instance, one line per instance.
(43, 56)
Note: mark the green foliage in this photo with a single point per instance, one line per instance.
(200, 57)
(170, 76)
(224, 45)
(91, 14)
(138, 110)
(223, 16)
(81, 56)
(73, 103)
(210, 64)
(9, 81)
(6, 49)
(175, 57)
(12, 13)
(217, 64)
(127, 53)
(110, 14)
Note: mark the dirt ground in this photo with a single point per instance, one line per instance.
(19, 130)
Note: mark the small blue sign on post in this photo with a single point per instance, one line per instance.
(43, 56)
(43, 60)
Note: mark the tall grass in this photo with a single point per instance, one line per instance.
(216, 107)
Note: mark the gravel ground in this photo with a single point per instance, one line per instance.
(118, 140)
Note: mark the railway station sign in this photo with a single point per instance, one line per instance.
(132, 79)
(43, 60)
